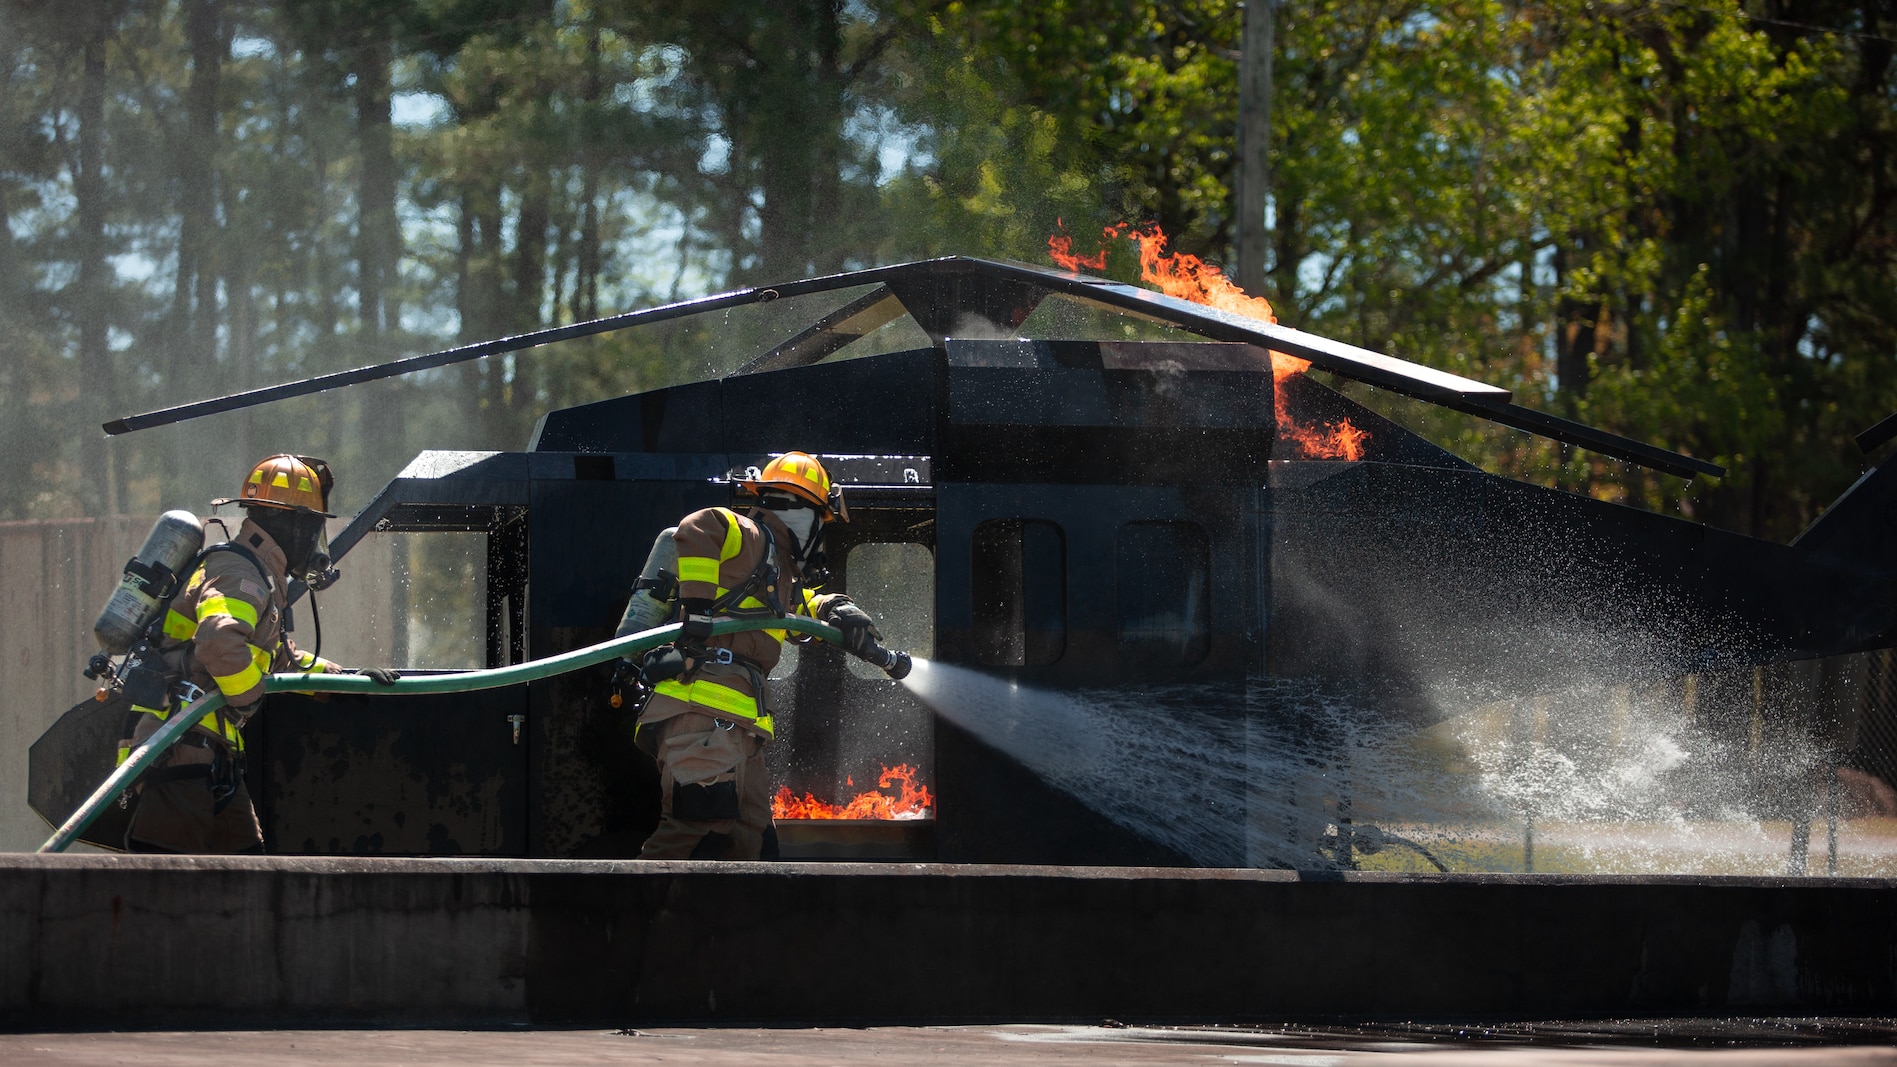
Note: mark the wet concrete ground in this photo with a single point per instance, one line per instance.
(1633, 1043)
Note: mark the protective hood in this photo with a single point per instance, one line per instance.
(803, 525)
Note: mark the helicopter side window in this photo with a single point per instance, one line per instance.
(1163, 574)
(1020, 593)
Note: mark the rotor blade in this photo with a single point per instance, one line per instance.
(446, 357)
(1885, 429)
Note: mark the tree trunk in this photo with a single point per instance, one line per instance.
(196, 298)
(375, 192)
(466, 306)
(192, 336)
(480, 300)
(796, 130)
(328, 313)
(587, 264)
(377, 240)
(530, 247)
(1254, 139)
(1575, 335)
(242, 373)
(99, 491)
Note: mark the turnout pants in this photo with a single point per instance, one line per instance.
(181, 810)
(714, 791)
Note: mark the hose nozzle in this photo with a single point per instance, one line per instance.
(888, 660)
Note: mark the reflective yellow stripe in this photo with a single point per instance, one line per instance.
(179, 628)
(734, 537)
(712, 695)
(309, 664)
(225, 725)
(231, 732)
(698, 569)
(719, 698)
(223, 605)
(232, 684)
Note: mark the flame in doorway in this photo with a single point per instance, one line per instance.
(912, 801)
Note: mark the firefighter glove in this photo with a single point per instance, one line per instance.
(242, 714)
(859, 630)
(380, 675)
(697, 615)
(663, 663)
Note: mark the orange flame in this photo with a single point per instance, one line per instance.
(1339, 440)
(914, 802)
(1188, 277)
(1061, 248)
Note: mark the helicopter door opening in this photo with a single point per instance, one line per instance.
(854, 752)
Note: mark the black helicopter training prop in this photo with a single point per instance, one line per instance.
(1092, 481)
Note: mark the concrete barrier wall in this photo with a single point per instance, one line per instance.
(114, 941)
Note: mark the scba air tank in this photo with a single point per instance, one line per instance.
(656, 591)
(150, 576)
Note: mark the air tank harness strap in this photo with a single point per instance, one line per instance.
(663, 586)
(764, 575)
(221, 775)
(724, 657)
(179, 628)
(156, 579)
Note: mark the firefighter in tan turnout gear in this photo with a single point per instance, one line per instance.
(708, 717)
(226, 629)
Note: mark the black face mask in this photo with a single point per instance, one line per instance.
(302, 535)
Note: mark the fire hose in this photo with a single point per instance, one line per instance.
(631, 645)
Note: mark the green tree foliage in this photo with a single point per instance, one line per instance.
(1671, 220)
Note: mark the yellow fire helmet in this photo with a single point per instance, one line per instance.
(799, 474)
(295, 483)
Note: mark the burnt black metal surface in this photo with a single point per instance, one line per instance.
(428, 775)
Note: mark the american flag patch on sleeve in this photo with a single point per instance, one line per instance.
(250, 587)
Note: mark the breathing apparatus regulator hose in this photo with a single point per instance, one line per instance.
(629, 646)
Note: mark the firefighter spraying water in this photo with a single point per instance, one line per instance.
(703, 703)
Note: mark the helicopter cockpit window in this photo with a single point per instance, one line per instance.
(1059, 317)
(694, 347)
(1163, 583)
(1020, 593)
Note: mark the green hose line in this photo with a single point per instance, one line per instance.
(461, 682)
